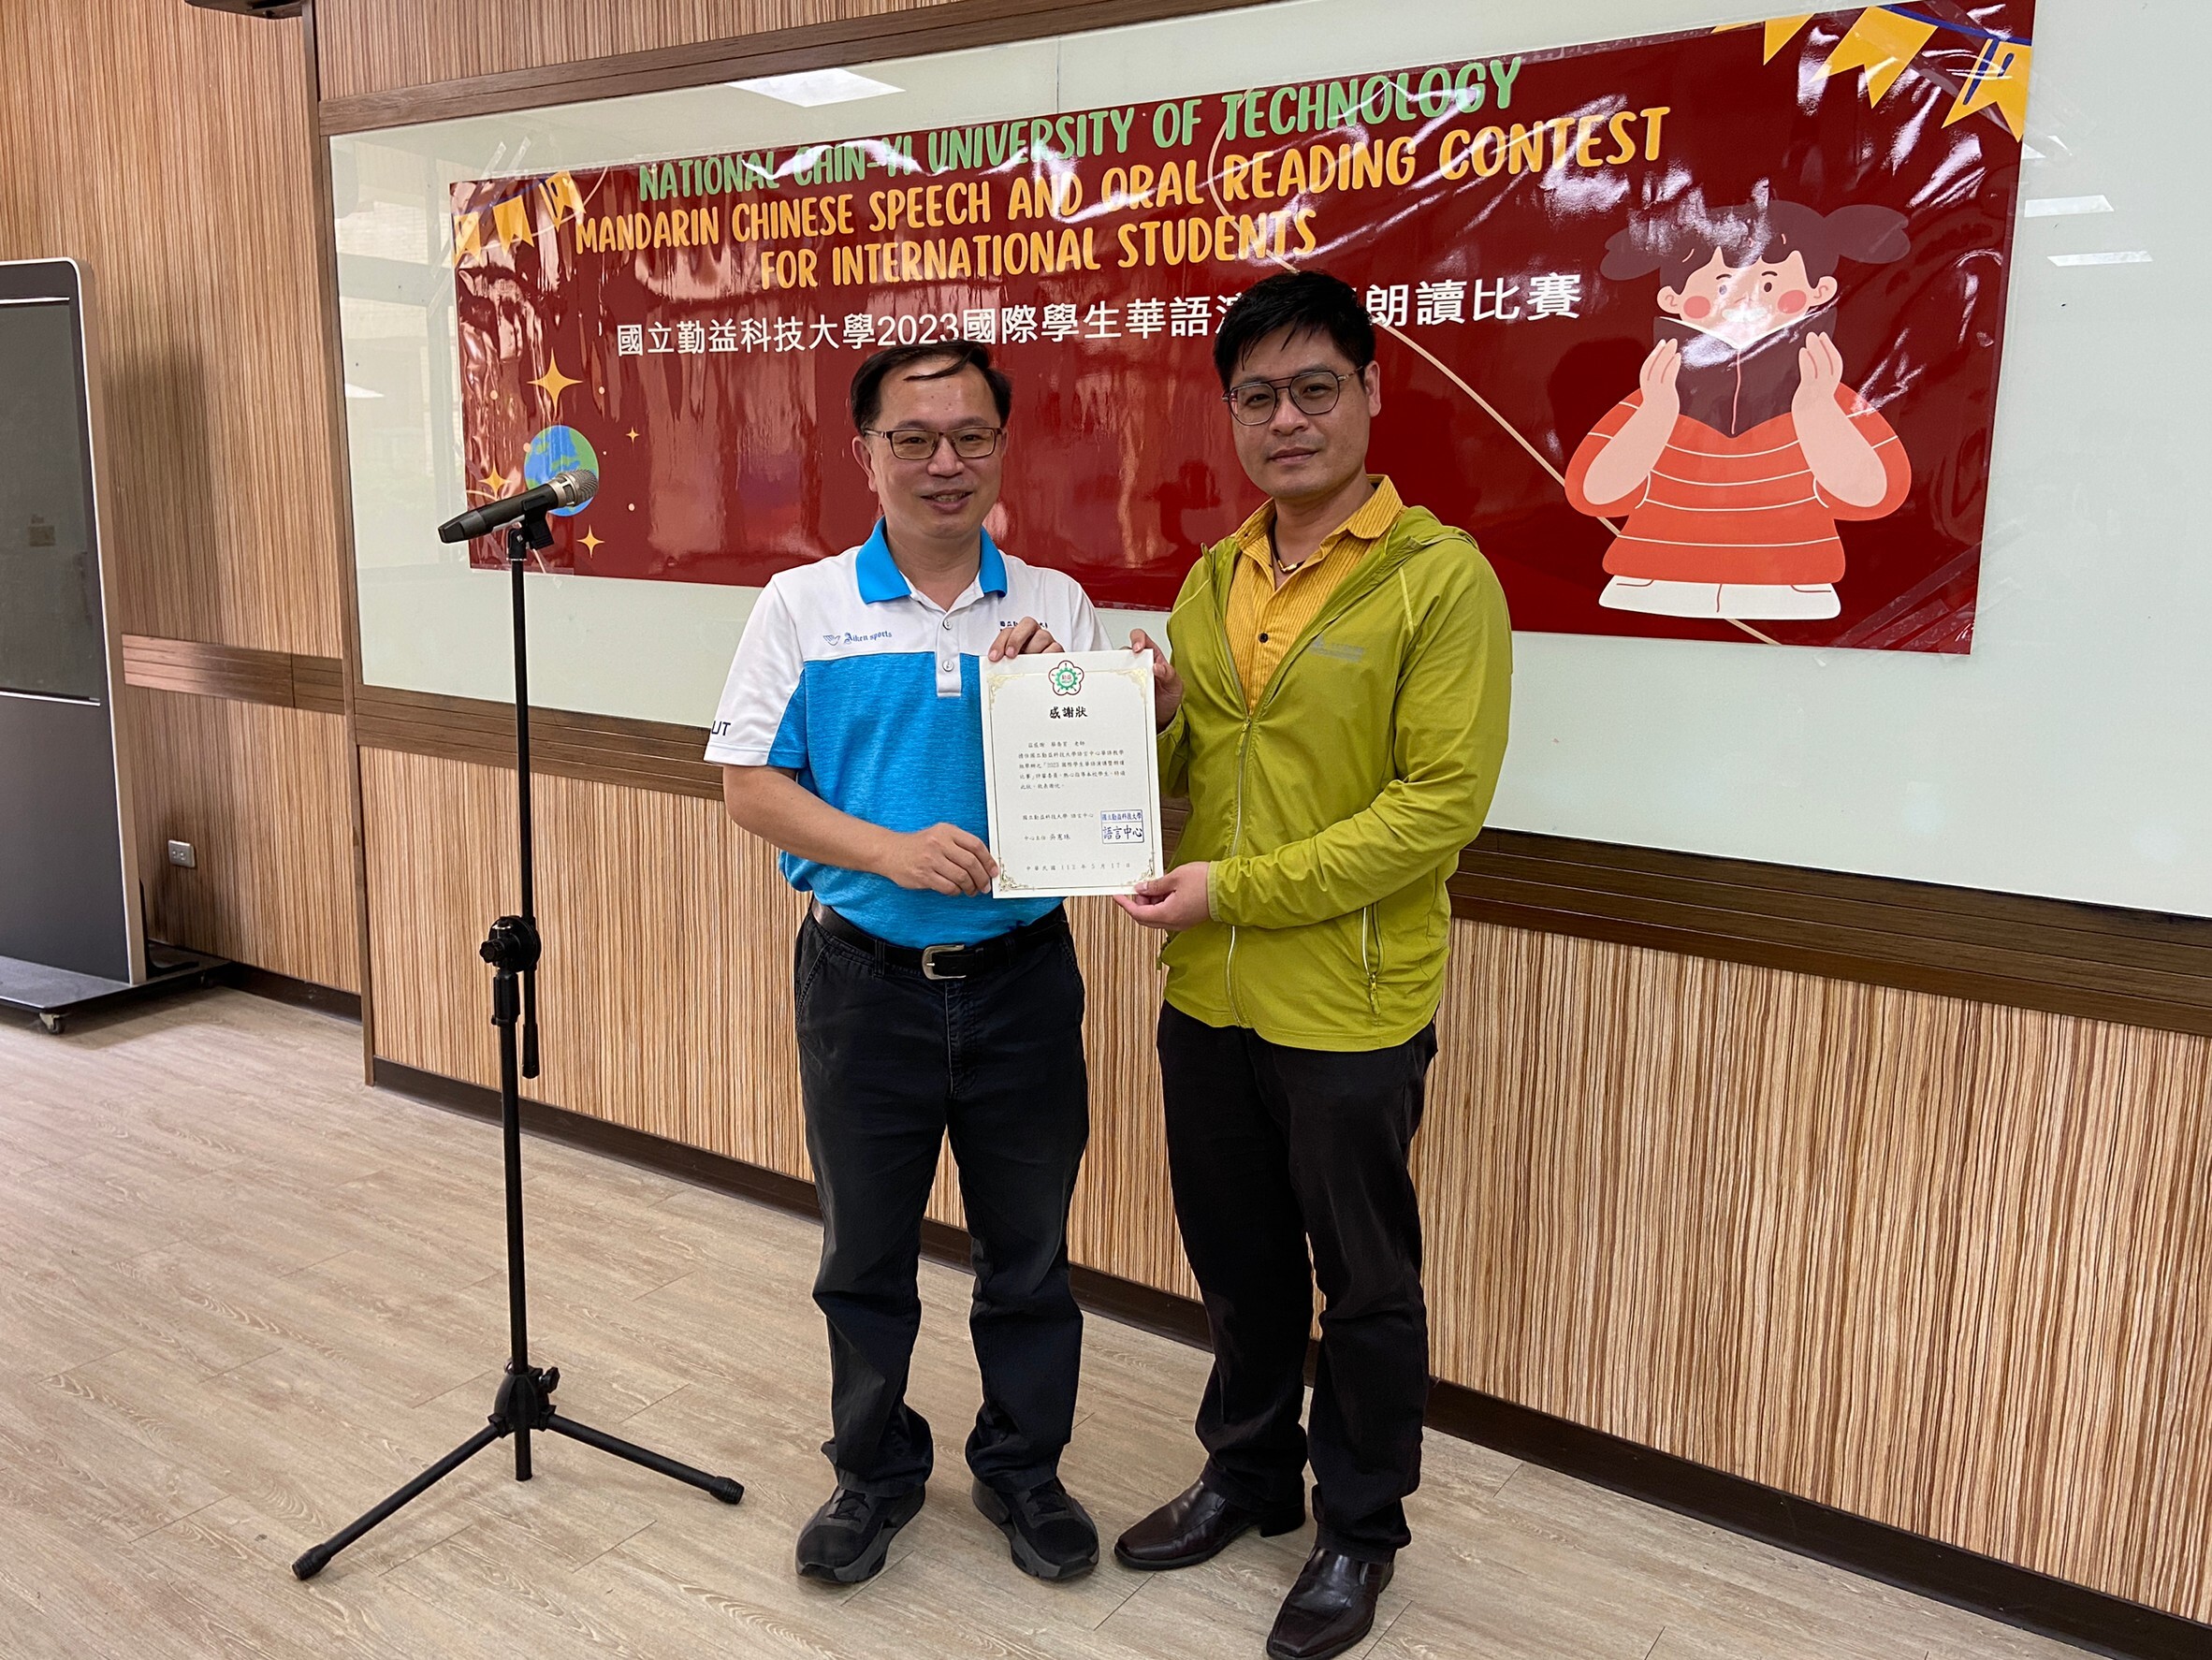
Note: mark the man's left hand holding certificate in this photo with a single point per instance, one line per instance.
(1072, 773)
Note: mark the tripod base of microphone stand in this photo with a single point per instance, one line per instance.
(525, 1403)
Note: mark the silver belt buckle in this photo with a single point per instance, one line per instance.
(929, 955)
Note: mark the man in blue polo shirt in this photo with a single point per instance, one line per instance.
(850, 737)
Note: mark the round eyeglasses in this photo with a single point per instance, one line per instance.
(919, 444)
(1314, 392)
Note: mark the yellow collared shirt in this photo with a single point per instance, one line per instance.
(1263, 618)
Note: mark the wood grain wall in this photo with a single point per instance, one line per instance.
(260, 793)
(666, 992)
(171, 150)
(1942, 1264)
(1931, 1261)
(373, 46)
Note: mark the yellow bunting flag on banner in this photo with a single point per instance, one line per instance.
(510, 220)
(1883, 43)
(1999, 80)
(564, 200)
(1780, 30)
(467, 236)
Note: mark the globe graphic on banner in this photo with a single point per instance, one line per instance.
(558, 449)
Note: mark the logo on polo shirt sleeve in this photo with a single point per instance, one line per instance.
(1067, 679)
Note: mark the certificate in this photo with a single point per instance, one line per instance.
(1071, 773)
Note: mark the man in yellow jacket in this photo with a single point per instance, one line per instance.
(1336, 713)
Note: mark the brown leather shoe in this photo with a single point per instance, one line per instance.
(1194, 1525)
(1329, 1609)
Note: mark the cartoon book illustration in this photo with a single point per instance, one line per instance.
(1745, 443)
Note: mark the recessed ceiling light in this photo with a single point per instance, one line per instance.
(811, 87)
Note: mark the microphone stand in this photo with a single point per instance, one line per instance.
(525, 1399)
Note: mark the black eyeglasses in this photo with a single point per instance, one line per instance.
(1314, 392)
(919, 444)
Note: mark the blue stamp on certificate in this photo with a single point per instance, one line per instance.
(1124, 828)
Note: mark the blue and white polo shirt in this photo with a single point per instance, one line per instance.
(872, 695)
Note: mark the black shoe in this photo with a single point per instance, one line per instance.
(1051, 1535)
(1195, 1525)
(1329, 1609)
(845, 1541)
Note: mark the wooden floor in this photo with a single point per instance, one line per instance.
(241, 1297)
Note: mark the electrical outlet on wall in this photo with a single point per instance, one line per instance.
(181, 854)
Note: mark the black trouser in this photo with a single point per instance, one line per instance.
(1269, 1148)
(888, 1062)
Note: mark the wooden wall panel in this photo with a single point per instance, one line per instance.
(171, 150)
(2101, 962)
(666, 990)
(1123, 1220)
(666, 995)
(1938, 1263)
(289, 679)
(369, 46)
(1942, 1264)
(260, 793)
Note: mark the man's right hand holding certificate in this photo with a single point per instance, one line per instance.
(1167, 686)
(1176, 900)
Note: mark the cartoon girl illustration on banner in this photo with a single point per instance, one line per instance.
(1745, 443)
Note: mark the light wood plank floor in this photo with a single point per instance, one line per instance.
(241, 1297)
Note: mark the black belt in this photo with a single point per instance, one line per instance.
(944, 962)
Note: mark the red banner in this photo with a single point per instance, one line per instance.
(1698, 335)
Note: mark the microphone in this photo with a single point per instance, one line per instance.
(563, 489)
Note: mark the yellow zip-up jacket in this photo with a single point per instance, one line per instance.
(1334, 811)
